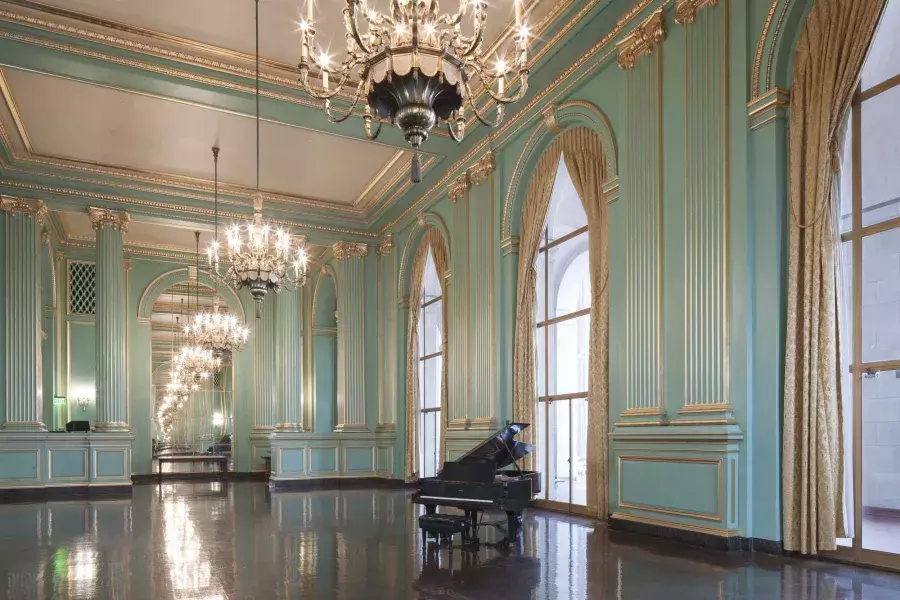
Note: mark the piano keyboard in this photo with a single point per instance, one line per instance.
(457, 499)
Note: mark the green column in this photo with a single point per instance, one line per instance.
(23, 313)
(349, 266)
(111, 373)
(265, 400)
(290, 377)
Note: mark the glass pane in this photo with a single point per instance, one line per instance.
(880, 140)
(569, 356)
(558, 476)
(431, 285)
(429, 445)
(881, 296)
(432, 379)
(565, 213)
(846, 178)
(422, 449)
(439, 460)
(540, 288)
(541, 362)
(883, 61)
(431, 318)
(579, 451)
(569, 277)
(881, 462)
(422, 384)
(540, 453)
(845, 319)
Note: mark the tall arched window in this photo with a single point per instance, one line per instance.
(431, 339)
(562, 310)
(870, 319)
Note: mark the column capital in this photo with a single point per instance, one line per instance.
(385, 245)
(103, 217)
(459, 187)
(25, 206)
(686, 10)
(642, 39)
(345, 250)
(482, 168)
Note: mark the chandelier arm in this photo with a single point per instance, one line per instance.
(477, 112)
(476, 40)
(368, 129)
(351, 20)
(314, 91)
(345, 116)
(503, 99)
(457, 136)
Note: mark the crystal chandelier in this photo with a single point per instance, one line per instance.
(415, 67)
(260, 257)
(218, 332)
(194, 363)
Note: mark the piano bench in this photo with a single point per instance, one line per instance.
(443, 526)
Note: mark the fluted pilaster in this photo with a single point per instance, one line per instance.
(23, 313)
(290, 376)
(265, 397)
(111, 348)
(350, 268)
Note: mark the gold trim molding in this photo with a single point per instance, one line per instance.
(482, 169)
(385, 245)
(103, 217)
(459, 187)
(24, 206)
(346, 250)
(647, 35)
(686, 10)
(509, 245)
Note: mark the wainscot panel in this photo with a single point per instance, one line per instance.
(67, 464)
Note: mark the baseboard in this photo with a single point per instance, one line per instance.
(697, 538)
(334, 483)
(64, 492)
(147, 478)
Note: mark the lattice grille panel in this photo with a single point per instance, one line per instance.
(82, 288)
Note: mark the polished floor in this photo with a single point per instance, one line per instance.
(237, 541)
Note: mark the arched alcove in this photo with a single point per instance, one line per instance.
(324, 351)
(774, 53)
(425, 221)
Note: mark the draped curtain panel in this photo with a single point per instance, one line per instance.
(412, 362)
(584, 160)
(441, 265)
(827, 64)
(581, 150)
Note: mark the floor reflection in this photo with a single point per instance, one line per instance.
(215, 540)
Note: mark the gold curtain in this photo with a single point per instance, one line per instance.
(827, 64)
(412, 362)
(537, 198)
(586, 165)
(441, 265)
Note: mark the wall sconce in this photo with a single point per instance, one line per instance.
(83, 403)
(218, 419)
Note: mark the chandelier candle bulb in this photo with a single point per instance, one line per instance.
(518, 5)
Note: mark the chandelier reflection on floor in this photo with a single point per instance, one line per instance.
(415, 67)
(260, 257)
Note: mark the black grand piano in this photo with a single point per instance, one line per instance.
(486, 478)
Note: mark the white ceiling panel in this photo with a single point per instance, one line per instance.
(79, 121)
(229, 24)
(78, 226)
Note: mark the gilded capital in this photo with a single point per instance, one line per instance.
(24, 206)
(459, 187)
(686, 10)
(385, 246)
(45, 237)
(642, 39)
(344, 250)
(549, 116)
(103, 217)
(482, 169)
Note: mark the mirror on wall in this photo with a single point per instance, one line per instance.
(204, 423)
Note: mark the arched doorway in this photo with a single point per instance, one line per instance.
(205, 423)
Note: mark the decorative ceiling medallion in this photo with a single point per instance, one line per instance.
(103, 217)
(642, 39)
(686, 10)
(345, 250)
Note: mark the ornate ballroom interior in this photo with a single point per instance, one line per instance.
(387, 299)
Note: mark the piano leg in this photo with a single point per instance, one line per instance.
(512, 521)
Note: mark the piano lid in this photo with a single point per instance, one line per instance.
(500, 447)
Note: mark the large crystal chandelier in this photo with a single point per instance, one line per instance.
(217, 332)
(415, 67)
(260, 257)
(194, 364)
